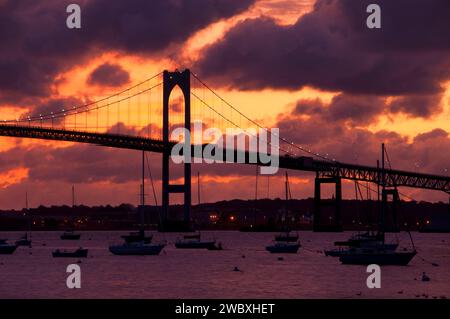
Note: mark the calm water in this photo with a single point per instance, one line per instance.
(33, 273)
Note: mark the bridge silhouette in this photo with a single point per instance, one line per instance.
(142, 116)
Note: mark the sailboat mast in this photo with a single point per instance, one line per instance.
(383, 188)
(142, 194)
(286, 187)
(73, 196)
(198, 187)
(286, 190)
(256, 197)
(143, 179)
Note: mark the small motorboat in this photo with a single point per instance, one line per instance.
(287, 236)
(24, 241)
(194, 242)
(79, 253)
(137, 237)
(5, 248)
(136, 248)
(363, 256)
(282, 247)
(70, 235)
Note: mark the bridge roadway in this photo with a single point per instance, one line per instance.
(321, 167)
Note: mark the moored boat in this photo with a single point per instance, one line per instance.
(136, 248)
(377, 256)
(70, 235)
(193, 241)
(5, 248)
(137, 237)
(283, 247)
(24, 241)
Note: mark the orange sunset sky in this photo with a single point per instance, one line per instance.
(311, 68)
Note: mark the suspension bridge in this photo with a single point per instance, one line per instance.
(142, 116)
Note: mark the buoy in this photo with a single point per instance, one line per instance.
(400, 292)
(243, 256)
(280, 258)
(425, 277)
(236, 269)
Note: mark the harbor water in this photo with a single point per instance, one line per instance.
(186, 273)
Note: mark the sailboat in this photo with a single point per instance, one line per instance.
(70, 234)
(25, 240)
(5, 248)
(368, 239)
(137, 243)
(378, 254)
(194, 241)
(285, 242)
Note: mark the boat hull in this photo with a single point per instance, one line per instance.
(7, 249)
(398, 258)
(81, 253)
(141, 250)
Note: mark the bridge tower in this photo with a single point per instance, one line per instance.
(390, 224)
(170, 81)
(334, 225)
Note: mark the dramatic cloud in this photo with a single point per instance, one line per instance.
(109, 75)
(331, 48)
(37, 45)
(321, 130)
(356, 110)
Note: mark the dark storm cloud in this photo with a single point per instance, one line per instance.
(109, 74)
(427, 152)
(422, 105)
(331, 48)
(37, 45)
(357, 110)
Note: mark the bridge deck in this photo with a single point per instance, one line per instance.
(322, 168)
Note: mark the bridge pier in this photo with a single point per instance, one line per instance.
(391, 225)
(170, 80)
(334, 224)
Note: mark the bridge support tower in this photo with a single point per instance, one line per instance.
(170, 81)
(389, 213)
(334, 223)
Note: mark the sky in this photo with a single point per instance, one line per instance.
(310, 68)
